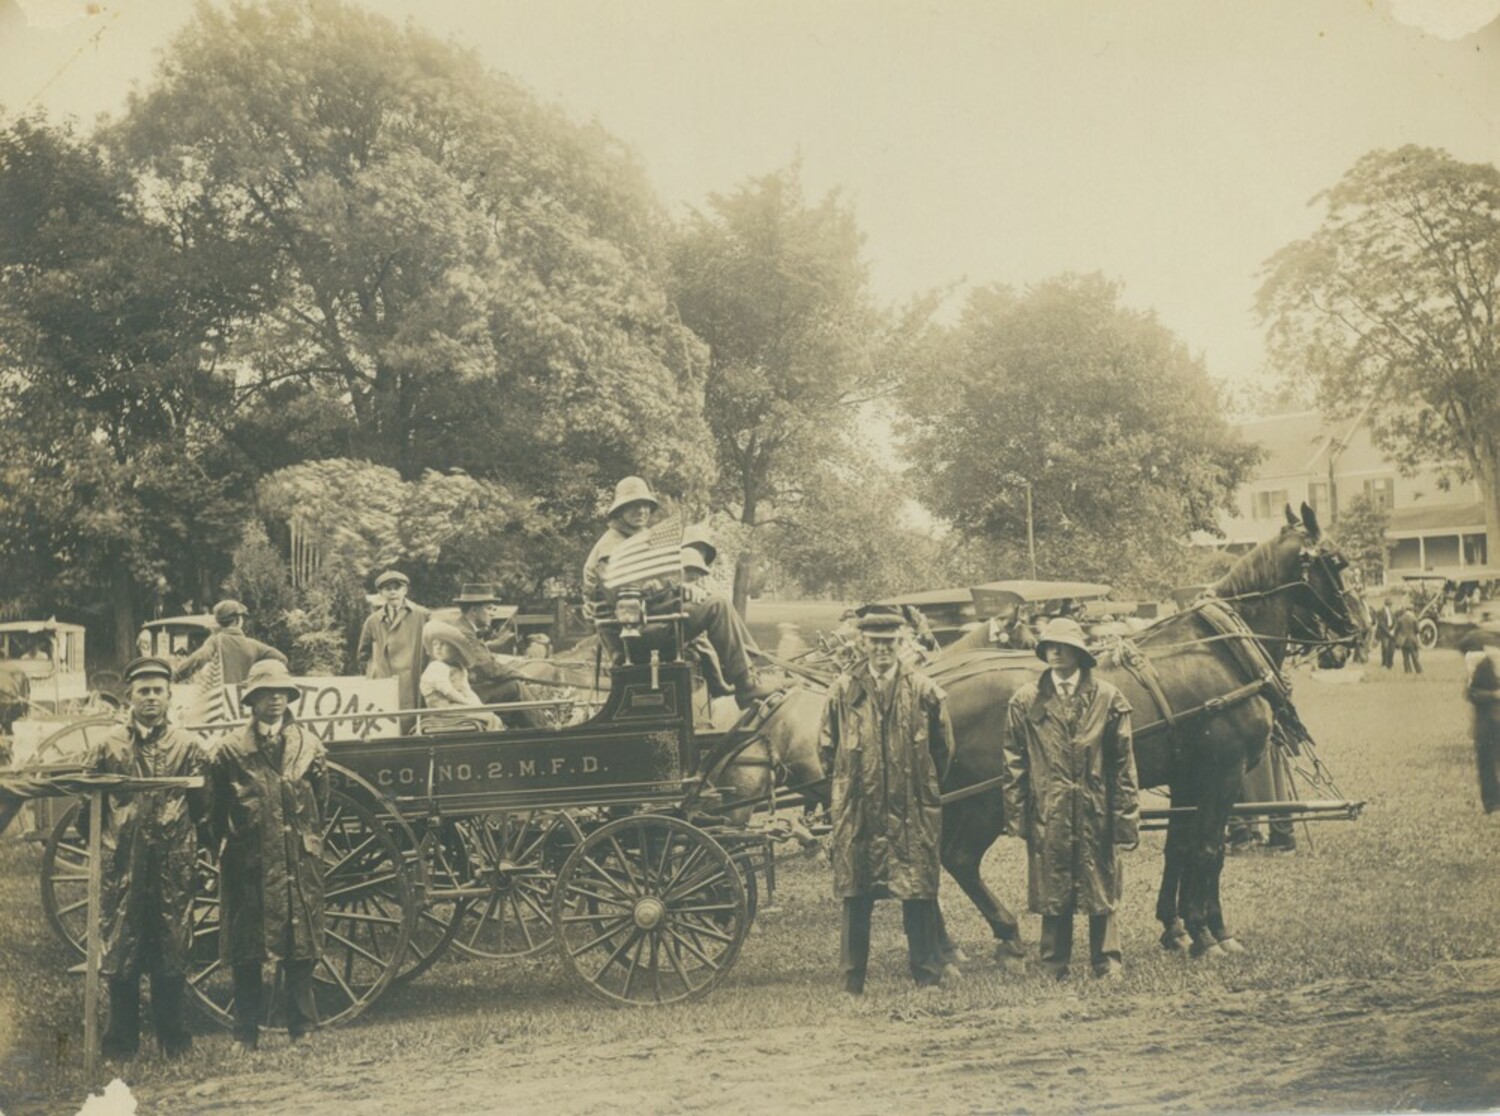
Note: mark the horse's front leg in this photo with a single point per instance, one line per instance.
(1174, 935)
(1205, 918)
(969, 829)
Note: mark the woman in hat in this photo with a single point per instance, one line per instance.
(1069, 785)
(445, 682)
(270, 793)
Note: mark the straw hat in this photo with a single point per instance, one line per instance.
(269, 674)
(440, 631)
(632, 490)
(1066, 632)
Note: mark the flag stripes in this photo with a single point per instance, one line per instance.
(653, 553)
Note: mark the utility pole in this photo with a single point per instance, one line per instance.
(1030, 531)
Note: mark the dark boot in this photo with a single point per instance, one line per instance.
(122, 1035)
(301, 1008)
(750, 690)
(168, 991)
(248, 999)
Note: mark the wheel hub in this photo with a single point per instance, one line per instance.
(649, 912)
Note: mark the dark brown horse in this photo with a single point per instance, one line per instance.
(1204, 699)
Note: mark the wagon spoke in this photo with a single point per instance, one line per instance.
(635, 884)
(694, 856)
(338, 866)
(696, 885)
(682, 974)
(694, 950)
(356, 948)
(602, 875)
(603, 938)
(699, 928)
(361, 916)
(618, 953)
(339, 979)
(635, 962)
(358, 888)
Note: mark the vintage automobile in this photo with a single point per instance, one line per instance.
(50, 655)
(948, 612)
(173, 637)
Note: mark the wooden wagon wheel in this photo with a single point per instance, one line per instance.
(65, 879)
(650, 910)
(438, 918)
(369, 910)
(516, 857)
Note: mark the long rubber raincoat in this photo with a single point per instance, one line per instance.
(885, 755)
(271, 821)
(389, 650)
(150, 846)
(1069, 786)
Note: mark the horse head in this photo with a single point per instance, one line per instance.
(1325, 610)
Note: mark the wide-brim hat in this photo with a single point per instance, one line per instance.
(699, 536)
(633, 490)
(148, 666)
(435, 631)
(476, 593)
(880, 620)
(692, 559)
(392, 575)
(1067, 632)
(226, 611)
(269, 674)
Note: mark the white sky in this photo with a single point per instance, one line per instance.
(1172, 144)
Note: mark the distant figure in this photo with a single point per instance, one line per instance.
(390, 643)
(1484, 694)
(237, 652)
(1385, 632)
(1409, 642)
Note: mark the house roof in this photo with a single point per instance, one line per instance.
(1419, 520)
(1292, 442)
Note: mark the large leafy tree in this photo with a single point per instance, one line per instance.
(448, 274)
(777, 286)
(1097, 410)
(114, 485)
(1392, 304)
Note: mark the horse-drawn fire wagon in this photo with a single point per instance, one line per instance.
(606, 841)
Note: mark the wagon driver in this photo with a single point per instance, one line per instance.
(1069, 787)
(886, 737)
(150, 846)
(270, 792)
(707, 612)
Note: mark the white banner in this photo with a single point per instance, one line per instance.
(344, 699)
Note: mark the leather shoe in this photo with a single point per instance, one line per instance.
(1111, 971)
(751, 691)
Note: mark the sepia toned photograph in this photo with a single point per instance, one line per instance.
(749, 556)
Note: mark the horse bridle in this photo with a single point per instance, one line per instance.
(1326, 612)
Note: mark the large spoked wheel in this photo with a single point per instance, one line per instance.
(516, 858)
(65, 879)
(650, 910)
(369, 910)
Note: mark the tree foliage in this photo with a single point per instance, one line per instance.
(114, 484)
(446, 274)
(777, 287)
(1359, 532)
(1099, 410)
(1392, 303)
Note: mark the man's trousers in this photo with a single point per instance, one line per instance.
(1057, 941)
(249, 999)
(920, 919)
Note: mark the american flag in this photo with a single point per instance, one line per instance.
(211, 704)
(648, 554)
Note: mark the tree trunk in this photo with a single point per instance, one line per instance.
(123, 614)
(1488, 475)
(745, 562)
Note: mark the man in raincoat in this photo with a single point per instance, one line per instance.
(270, 791)
(150, 847)
(390, 643)
(1070, 790)
(886, 738)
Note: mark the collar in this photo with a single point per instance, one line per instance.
(266, 730)
(147, 735)
(1061, 685)
(884, 676)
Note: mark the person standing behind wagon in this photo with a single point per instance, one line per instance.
(1069, 786)
(270, 793)
(237, 652)
(886, 737)
(1385, 632)
(390, 643)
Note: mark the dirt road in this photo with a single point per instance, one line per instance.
(1428, 1041)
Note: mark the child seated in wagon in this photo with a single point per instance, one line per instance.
(445, 683)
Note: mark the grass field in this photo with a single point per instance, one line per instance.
(1370, 983)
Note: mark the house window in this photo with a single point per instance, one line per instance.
(1475, 550)
(1268, 505)
(1381, 492)
(1317, 499)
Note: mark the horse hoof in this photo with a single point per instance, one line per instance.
(1231, 945)
(1175, 938)
(1210, 952)
(956, 956)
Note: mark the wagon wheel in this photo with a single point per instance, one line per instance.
(73, 739)
(437, 920)
(1427, 633)
(65, 879)
(369, 908)
(650, 910)
(517, 857)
